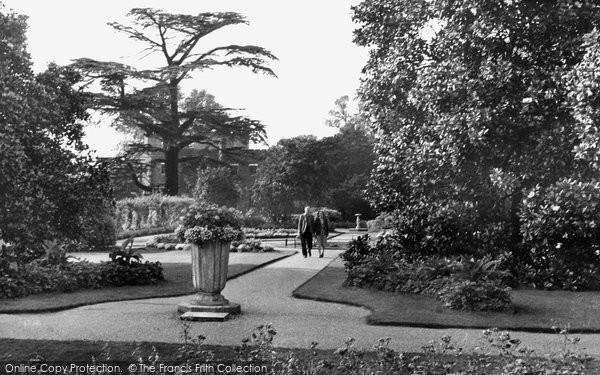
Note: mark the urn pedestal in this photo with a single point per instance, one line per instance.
(209, 275)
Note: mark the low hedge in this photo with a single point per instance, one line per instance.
(250, 246)
(461, 283)
(35, 277)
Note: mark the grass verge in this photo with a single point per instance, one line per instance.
(178, 282)
(536, 310)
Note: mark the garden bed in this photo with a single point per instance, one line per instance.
(535, 310)
(499, 356)
(178, 281)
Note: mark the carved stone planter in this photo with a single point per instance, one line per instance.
(209, 275)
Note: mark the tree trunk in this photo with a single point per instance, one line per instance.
(172, 171)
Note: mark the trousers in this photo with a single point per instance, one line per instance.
(306, 240)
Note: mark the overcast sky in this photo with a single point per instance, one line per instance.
(317, 64)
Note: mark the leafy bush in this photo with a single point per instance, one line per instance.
(250, 245)
(381, 222)
(151, 211)
(251, 219)
(269, 233)
(447, 229)
(561, 235)
(350, 224)
(37, 277)
(218, 186)
(460, 282)
(126, 254)
(475, 295)
(167, 238)
(101, 233)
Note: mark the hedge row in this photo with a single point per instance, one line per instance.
(150, 211)
(36, 278)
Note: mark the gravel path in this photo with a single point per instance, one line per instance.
(265, 296)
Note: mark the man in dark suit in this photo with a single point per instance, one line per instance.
(305, 231)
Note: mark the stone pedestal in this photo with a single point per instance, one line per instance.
(357, 221)
(209, 275)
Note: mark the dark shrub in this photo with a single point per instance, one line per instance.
(561, 235)
(448, 228)
(38, 277)
(101, 231)
(475, 295)
(460, 282)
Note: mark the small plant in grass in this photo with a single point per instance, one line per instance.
(54, 252)
(126, 254)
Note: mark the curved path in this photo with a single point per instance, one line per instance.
(265, 296)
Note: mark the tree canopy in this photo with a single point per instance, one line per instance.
(150, 99)
(475, 105)
(49, 186)
(331, 172)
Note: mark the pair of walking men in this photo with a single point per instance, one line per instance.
(309, 226)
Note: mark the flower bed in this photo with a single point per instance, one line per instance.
(269, 233)
(173, 241)
(36, 278)
(461, 283)
(54, 272)
(250, 246)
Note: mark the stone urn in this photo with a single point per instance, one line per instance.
(209, 276)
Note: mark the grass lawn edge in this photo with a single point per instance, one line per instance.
(371, 319)
(68, 306)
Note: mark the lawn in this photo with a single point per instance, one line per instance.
(536, 310)
(178, 282)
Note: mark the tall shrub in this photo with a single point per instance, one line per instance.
(474, 104)
(561, 234)
(50, 188)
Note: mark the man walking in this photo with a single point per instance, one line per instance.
(305, 231)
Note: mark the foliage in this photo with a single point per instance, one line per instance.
(250, 245)
(150, 211)
(49, 186)
(477, 296)
(126, 254)
(38, 277)
(206, 222)
(381, 222)
(290, 175)
(166, 238)
(252, 219)
(269, 233)
(479, 103)
(144, 232)
(157, 108)
(561, 236)
(305, 171)
(461, 283)
(217, 186)
(54, 252)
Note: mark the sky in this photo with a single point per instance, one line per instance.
(318, 62)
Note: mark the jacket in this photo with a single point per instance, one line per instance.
(306, 224)
(321, 228)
